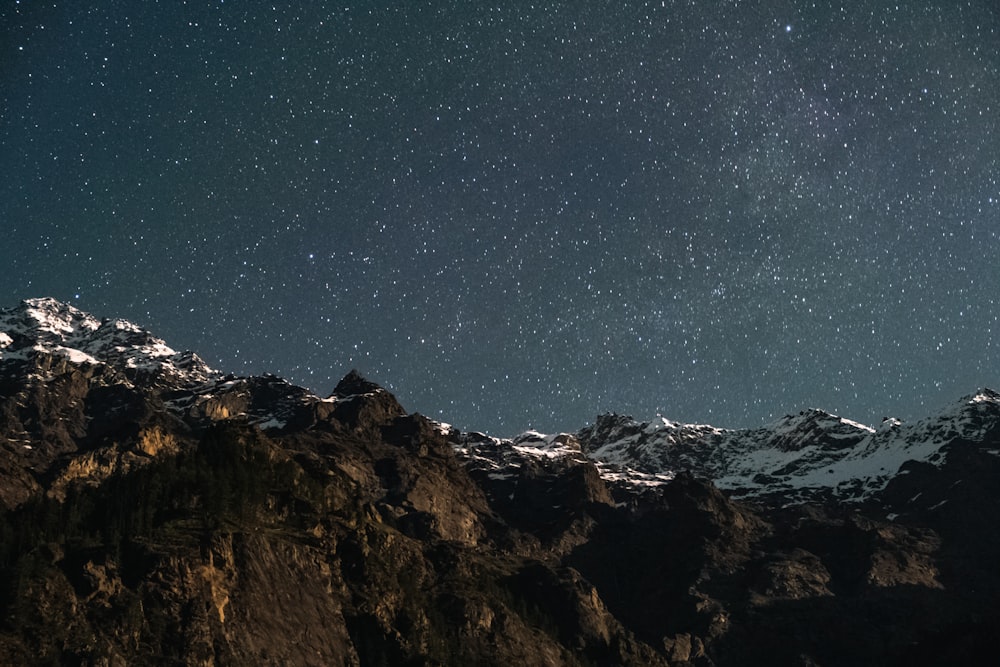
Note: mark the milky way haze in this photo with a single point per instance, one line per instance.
(520, 217)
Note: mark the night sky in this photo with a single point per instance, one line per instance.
(520, 215)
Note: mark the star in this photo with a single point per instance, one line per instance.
(519, 217)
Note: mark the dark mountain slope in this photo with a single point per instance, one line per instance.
(157, 512)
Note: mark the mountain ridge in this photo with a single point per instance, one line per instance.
(789, 452)
(156, 511)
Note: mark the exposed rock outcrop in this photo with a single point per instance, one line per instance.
(156, 512)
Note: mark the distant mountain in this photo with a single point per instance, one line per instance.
(809, 455)
(156, 511)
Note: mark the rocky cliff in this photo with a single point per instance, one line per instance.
(154, 511)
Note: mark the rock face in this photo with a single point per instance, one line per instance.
(154, 511)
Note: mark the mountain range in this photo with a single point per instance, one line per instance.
(156, 511)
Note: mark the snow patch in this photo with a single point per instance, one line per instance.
(76, 356)
(797, 456)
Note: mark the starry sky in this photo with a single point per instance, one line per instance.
(521, 215)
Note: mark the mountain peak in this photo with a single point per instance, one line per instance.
(46, 315)
(985, 394)
(812, 450)
(47, 326)
(132, 495)
(354, 384)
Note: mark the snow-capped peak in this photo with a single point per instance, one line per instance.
(793, 458)
(48, 326)
(48, 316)
(984, 395)
(815, 426)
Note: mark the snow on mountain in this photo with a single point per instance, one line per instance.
(47, 326)
(46, 320)
(795, 458)
(39, 336)
(267, 401)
